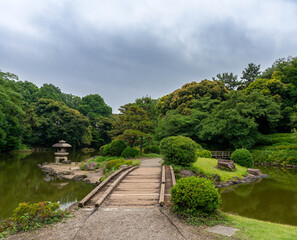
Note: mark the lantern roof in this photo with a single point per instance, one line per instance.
(62, 144)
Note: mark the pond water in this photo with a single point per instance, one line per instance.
(22, 181)
(273, 199)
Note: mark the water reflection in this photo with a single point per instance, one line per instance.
(273, 199)
(22, 181)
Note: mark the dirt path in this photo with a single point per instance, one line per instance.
(121, 221)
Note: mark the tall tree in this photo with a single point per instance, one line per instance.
(250, 73)
(228, 79)
(133, 124)
(96, 110)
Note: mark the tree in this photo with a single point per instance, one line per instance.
(11, 113)
(237, 121)
(49, 91)
(93, 106)
(189, 92)
(149, 106)
(250, 73)
(228, 79)
(57, 121)
(96, 110)
(133, 124)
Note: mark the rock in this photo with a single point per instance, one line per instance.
(186, 173)
(67, 172)
(79, 177)
(236, 178)
(91, 166)
(216, 178)
(255, 172)
(229, 164)
(66, 161)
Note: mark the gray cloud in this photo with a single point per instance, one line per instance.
(123, 52)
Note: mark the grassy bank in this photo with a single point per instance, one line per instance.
(208, 167)
(256, 229)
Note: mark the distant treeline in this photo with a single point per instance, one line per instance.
(222, 113)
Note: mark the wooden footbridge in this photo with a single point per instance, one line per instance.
(134, 187)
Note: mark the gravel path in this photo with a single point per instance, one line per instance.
(118, 223)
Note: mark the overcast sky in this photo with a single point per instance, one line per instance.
(127, 49)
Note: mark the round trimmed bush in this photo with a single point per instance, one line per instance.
(130, 153)
(117, 147)
(194, 194)
(205, 154)
(178, 150)
(243, 157)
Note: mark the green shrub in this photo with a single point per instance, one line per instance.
(243, 157)
(178, 150)
(29, 216)
(113, 164)
(193, 195)
(117, 147)
(205, 154)
(106, 150)
(130, 153)
(152, 149)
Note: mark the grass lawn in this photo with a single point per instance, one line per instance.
(208, 167)
(255, 229)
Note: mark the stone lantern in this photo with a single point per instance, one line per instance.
(61, 153)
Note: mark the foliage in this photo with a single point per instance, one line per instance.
(205, 154)
(100, 128)
(193, 195)
(151, 155)
(130, 153)
(149, 106)
(228, 79)
(115, 164)
(208, 166)
(178, 150)
(99, 160)
(133, 124)
(276, 155)
(152, 149)
(57, 121)
(29, 216)
(105, 150)
(189, 92)
(93, 106)
(116, 147)
(243, 157)
(237, 120)
(250, 73)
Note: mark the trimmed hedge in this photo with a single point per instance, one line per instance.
(130, 153)
(243, 157)
(192, 195)
(178, 150)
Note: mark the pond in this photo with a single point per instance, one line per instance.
(273, 199)
(22, 181)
